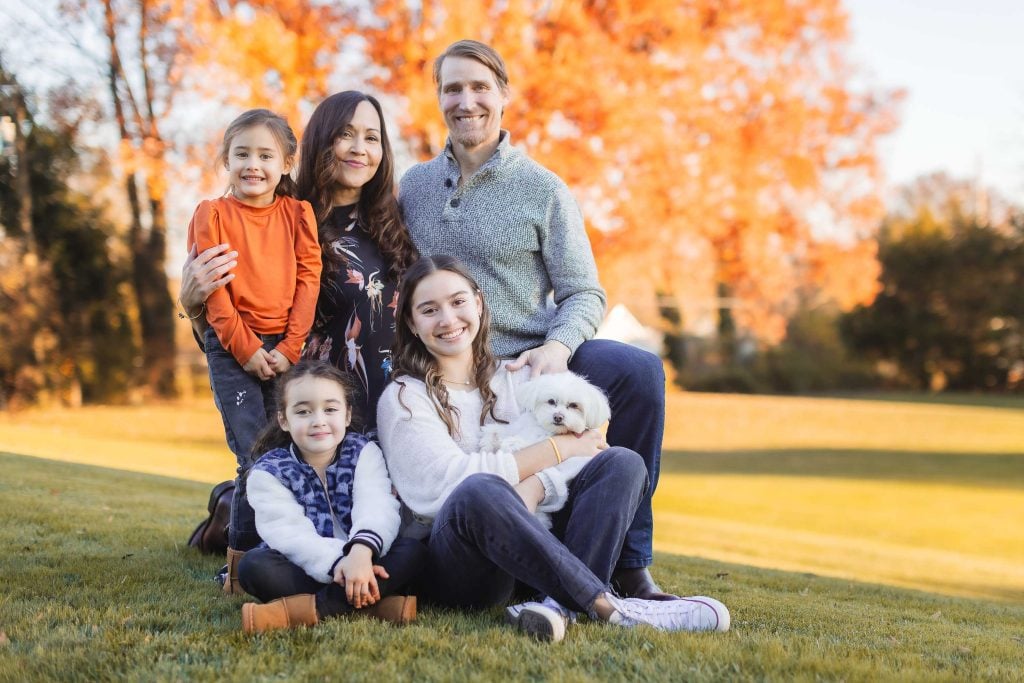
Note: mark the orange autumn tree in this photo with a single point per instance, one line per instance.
(243, 54)
(716, 147)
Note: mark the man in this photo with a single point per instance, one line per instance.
(518, 229)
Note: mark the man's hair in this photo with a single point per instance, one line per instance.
(474, 49)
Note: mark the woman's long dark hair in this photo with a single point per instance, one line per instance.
(272, 435)
(411, 358)
(318, 177)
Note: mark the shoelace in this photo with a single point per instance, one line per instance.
(665, 614)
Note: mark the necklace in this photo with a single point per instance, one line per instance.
(467, 382)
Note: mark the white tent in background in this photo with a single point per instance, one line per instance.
(621, 325)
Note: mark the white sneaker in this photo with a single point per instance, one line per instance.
(698, 613)
(543, 620)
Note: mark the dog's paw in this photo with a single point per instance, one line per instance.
(512, 444)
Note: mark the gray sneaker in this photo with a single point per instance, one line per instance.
(544, 621)
(698, 613)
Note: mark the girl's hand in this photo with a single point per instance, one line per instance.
(589, 443)
(259, 365)
(279, 363)
(357, 573)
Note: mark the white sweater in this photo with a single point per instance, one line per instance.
(426, 463)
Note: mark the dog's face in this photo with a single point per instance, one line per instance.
(564, 402)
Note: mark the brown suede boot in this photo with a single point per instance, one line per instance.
(397, 609)
(288, 612)
(638, 583)
(231, 586)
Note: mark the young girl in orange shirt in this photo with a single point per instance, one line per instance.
(260, 320)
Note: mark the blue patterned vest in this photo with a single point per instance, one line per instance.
(317, 500)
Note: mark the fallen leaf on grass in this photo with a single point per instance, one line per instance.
(937, 615)
(964, 650)
(4, 640)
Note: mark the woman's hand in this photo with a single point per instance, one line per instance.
(587, 444)
(204, 274)
(357, 573)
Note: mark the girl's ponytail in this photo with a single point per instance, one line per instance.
(287, 187)
(271, 437)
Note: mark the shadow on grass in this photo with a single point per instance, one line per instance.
(1007, 402)
(1000, 470)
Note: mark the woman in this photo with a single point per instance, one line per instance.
(475, 506)
(346, 171)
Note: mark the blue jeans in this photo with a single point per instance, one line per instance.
(246, 404)
(268, 575)
(634, 381)
(484, 539)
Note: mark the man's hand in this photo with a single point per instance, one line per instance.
(259, 365)
(552, 357)
(279, 362)
(205, 273)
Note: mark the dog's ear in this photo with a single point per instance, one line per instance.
(597, 409)
(526, 394)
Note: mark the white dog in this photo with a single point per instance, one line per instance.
(560, 403)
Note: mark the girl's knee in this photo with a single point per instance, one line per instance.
(252, 571)
(481, 489)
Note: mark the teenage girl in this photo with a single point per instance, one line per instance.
(258, 323)
(326, 512)
(474, 505)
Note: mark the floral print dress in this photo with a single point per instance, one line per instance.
(355, 314)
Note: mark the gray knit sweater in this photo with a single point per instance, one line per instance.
(519, 231)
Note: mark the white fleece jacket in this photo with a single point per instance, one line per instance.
(282, 523)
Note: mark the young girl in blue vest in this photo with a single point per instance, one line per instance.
(326, 513)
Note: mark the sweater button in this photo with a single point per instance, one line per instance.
(455, 203)
(448, 182)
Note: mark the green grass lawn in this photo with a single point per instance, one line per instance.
(857, 498)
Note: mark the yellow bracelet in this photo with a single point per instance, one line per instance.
(558, 453)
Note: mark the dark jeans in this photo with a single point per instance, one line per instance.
(484, 539)
(634, 381)
(268, 575)
(246, 404)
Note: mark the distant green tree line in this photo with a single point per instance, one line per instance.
(949, 314)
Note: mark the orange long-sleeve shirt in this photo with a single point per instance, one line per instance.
(277, 279)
